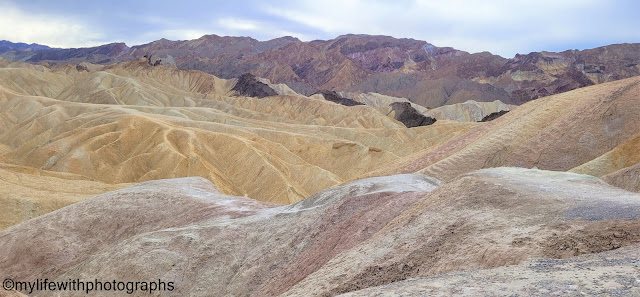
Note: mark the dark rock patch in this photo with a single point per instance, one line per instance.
(82, 68)
(153, 62)
(494, 115)
(248, 85)
(409, 116)
(335, 98)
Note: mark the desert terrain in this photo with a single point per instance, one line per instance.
(485, 176)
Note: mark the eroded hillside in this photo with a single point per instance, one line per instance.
(134, 122)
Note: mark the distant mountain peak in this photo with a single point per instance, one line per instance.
(286, 38)
(419, 71)
(6, 45)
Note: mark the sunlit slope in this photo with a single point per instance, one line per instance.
(137, 83)
(619, 166)
(622, 156)
(142, 123)
(558, 132)
(26, 193)
(34, 81)
(469, 111)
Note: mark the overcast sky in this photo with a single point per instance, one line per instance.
(501, 27)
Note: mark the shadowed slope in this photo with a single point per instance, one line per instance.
(627, 178)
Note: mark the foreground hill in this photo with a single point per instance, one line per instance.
(579, 276)
(426, 74)
(367, 233)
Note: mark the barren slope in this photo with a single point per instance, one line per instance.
(622, 156)
(627, 178)
(558, 132)
(134, 122)
(611, 273)
(367, 233)
(26, 193)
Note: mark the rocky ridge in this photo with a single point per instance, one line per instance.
(428, 75)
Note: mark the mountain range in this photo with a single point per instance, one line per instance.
(426, 74)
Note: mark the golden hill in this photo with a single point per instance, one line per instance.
(469, 111)
(26, 193)
(622, 156)
(132, 122)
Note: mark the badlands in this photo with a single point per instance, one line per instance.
(139, 170)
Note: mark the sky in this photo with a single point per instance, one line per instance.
(500, 27)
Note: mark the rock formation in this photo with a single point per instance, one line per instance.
(249, 86)
(336, 98)
(494, 115)
(409, 116)
(425, 74)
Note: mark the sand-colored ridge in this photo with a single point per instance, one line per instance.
(468, 111)
(558, 132)
(622, 156)
(26, 193)
(34, 82)
(133, 122)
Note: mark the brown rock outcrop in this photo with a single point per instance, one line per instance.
(248, 85)
(409, 116)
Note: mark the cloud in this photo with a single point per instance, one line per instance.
(171, 34)
(19, 26)
(335, 16)
(502, 27)
(257, 29)
(238, 24)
